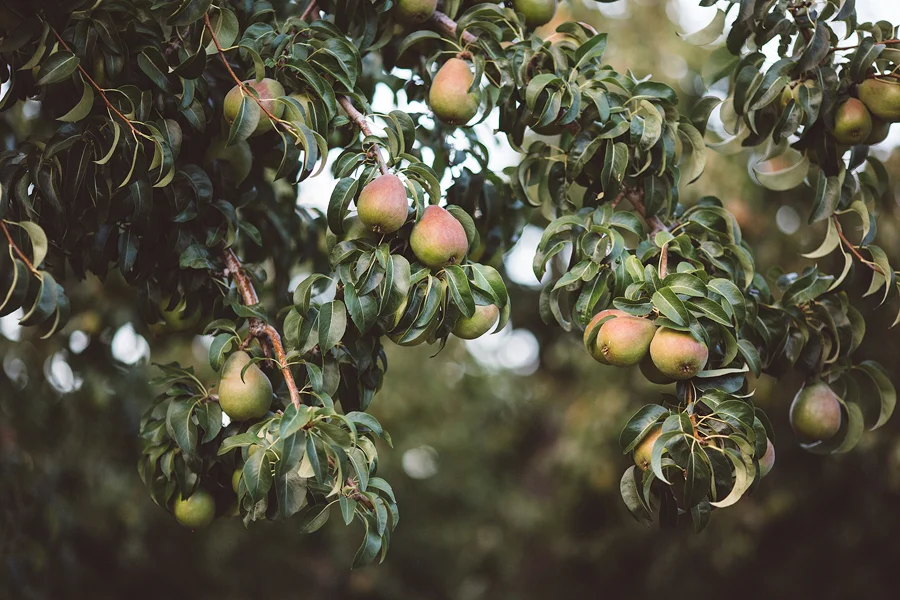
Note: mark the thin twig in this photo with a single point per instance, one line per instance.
(359, 120)
(841, 48)
(663, 261)
(444, 24)
(313, 7)
(852, 248)
(258, 329)
(17, 249)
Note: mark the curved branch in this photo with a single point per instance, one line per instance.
(359, 120)
(444, 24)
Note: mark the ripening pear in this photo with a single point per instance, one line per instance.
(677, 354)
(249, 398)
(177, 319)
(624, 341)
(644, 450)
(852, 122)
(236, 479)
(238, 157)
(880, 131)
(438, 239)
(653, 374)
(589, 332)
(269, 91)
(469, 328)
(815, 413)
(414, 12)
(536, 12)
(197, 511)
(881, 97)
(767, 461)
(382, 204)
(449, 96)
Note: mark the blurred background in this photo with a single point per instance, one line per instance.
(506, 461)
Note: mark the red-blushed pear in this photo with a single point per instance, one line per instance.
(852, 122)
(677, 354)
(247, 398)
(469, 328)
(536, 12)
(268, 90)
(449, 96)
(593, 328)
(767, 461)
(643, 452)
(438, 239)
(815, 413)
(624, 341)
(414, 12)
(881, 97)
(382, 204)
(197, 511)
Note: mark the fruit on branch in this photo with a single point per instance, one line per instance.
(249, 398)
(536, 12)
(852, 122)
(590, 332)
(382, 204)
(469, 328)
(238, 158)
(880, 131)
(177, 320)
(881, 97)
(449, 96)
(624, 341)
(197, 511)
(236, 479)
(815, 413)
(414, 12)
(268, 90)
(677, 354)
(652, 373)
(438, 239)
(643, 452)
(767, 461)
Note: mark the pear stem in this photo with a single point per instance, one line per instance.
(258, 329)
(444, 24)
(359, 120)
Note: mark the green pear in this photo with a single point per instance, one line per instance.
(852, 122)
(414, 12)
(245, 399)
(469, 328)
(624, 341)
(238, 158)
(268, 90)
(177, 320)
(815, 413)
(449, 96)
(643, 452)
(677, 354)
(590, 332)
(197, 511)
(438, 239)
(382, 204)
(881, 97)
(767, 461)
(236, 479)
(880, 131)
(536, 12)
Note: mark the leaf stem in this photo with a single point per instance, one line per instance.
(359, 120)
(853, 249)
(17, 249)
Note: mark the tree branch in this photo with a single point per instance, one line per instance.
(359, 120)
(313, 7)
(444, 24)
(258, 329)
(636, 197)
(17, 249)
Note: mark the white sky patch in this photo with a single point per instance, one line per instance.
(128, 346)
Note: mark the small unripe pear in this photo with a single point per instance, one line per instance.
(595, 323)
(624, 341)
(767, 461)
(382, 204)
(643, 452)
(815, 413)
(414, 12)
(249, 398)
(238, 157)
(469, 328)
(269, 91)
(852, 122)
(236, 479)
(677, 354)
(449, 96)
(880, 131)
(195, 512)
(438, 239)
(536, 12)
(177, 320)
(881, 97)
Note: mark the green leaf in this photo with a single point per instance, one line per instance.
(744, 475)
(639, 425)
(697, 476)
(83, 108)
(257, 475)
(886, 391)
(671, 306)
(245, 121)
(39, 243)
(57, 67)
(458, 285)
(180, 425)
(332, 324)
(631, 495)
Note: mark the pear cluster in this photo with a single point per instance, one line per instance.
(866, 118)
(614, 337)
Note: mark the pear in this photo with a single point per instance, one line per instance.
(438, 239)
(382, 204)
(536, 12)
(247, 399)
(236, 479)
(852, 122)
(652, 374)
(881, 97)
(449, 96)
(815, 413)
(268, 90)
(177, 320)
(643, 452)
(414, 12)
(589, 332)
(469, 328)
(677, 354)
(197, 511)
(238, 157)
(767, 461)
(880, 131)
(624, 341)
